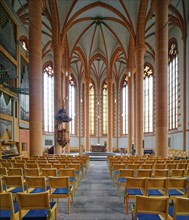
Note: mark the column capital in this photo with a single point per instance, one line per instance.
(87, 80)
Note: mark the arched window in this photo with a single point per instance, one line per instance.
(72, 104)
(125, 106)
(92, 108)
(105, 109)
(148, 98)
(173, 86)
(48, 98)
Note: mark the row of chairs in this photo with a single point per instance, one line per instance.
(57, 187)
(170, 187)
(159, 208)
(27, 206)
(123, 174)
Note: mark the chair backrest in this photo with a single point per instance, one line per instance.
(118, 166)
(123, 173)
(35, 182)
(75, 166)
(159, 166)
(45, 165)
(144, 172)
(59, 182)
(161, 173)
(152, 205)
(136, 183)
(48, 172)
(7, 203)
(59, 166)
(156, 183)
(7, 164)
(171, 166)
(177, 183)
(32, 172)
(146, 166)
(14, 181)
(20, 165)
(31, 165)
(67, 172)
(15, 171)
(133, 166)
(177, 173)
(181, 207)
(3, 171)
(35, 201)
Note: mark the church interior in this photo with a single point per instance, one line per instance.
(94, 109)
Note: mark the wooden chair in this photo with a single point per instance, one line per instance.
(176, 187)
(71, 173)
(115, 170)
(144, 173)
(20, 165)
(8, 209)
(146, 166)
(7, 164)
(156, 186)
(151, 207)
(36, 184)
(1, 185)
(123, 174)
(32, 165)
(133, 188)
(159, 166)
(15, 171)
(32, 172)
(78, 172)
(60, 188)
(14, 184)
(180, 210)
(36, 206)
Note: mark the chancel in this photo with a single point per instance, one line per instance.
(94, 99)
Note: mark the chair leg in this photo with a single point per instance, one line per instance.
(68, 204)
(126, 204)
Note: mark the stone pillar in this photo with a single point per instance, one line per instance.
(130, 113)
(87, 119)
(139, 60)
(35, 77)
(57, 90)
(161, 58)
(134, 85)
(110, 115)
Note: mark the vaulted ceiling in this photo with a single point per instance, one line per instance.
(97, 35)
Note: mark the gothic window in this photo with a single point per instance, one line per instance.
(173, 86)
(72, 104)
(148, 98)
(48, 95)
(105, 109)
(125, 106)
(92, 108)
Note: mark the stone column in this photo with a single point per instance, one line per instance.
(161, 58)
(134, 89)
(35, 77)
(130, 113)
(57, 90)
(110, 115)
(139, 60)
(87, 120)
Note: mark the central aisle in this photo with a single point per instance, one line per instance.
(96, 197)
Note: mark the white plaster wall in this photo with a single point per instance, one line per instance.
(187, 83)
(123, 142)
(149, 142)
(176, 141)
(187, 140)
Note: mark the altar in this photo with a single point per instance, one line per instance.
(98, 148)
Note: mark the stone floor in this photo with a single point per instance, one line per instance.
(96, 197)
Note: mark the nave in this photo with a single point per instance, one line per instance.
(96, 198)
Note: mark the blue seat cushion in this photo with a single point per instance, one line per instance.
(38, 214)
(122, 180)
(116, 172)
(154, 192)
(6, 214)
(71, 179)
(147, 217)
(60, 191)
(171, 212)
(134, 192)
(38, 190)
(17, 189)
(174, 192)
(77, 172)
